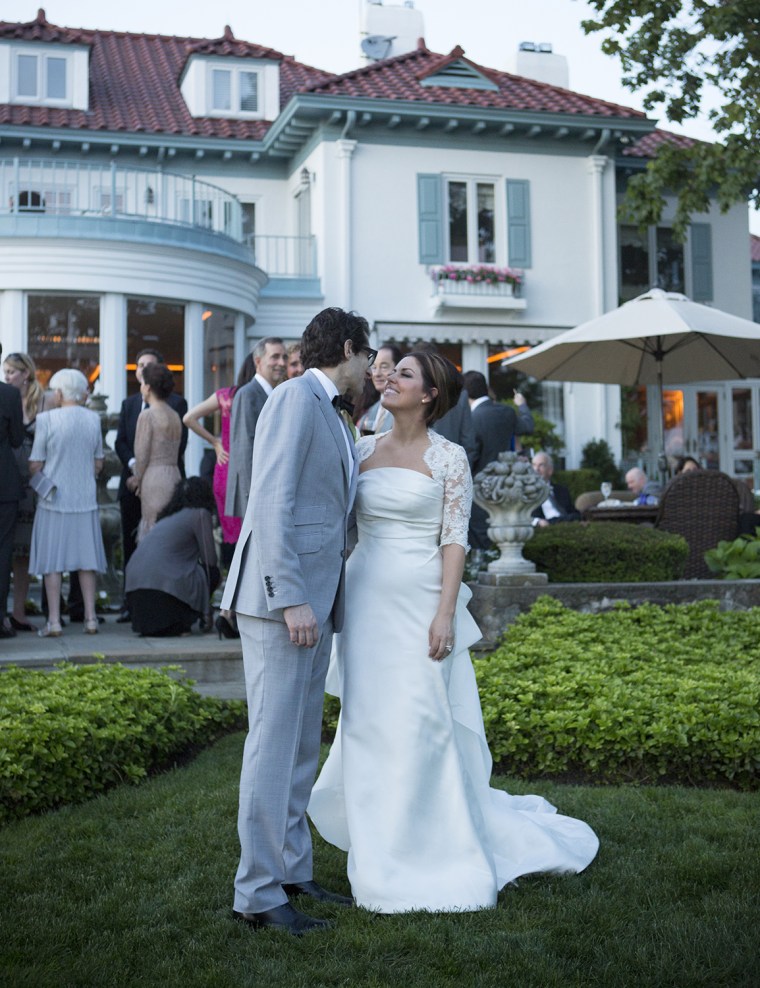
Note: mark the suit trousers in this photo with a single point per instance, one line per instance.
(131, 513)
(8, 512)
(285, 690)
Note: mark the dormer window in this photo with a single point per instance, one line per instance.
(234, 91)
(41, 74)
(40, 78)
(228, 86)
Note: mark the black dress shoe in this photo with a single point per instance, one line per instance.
(6, 631)
(124, 617)
(316, 892)
(283, 917)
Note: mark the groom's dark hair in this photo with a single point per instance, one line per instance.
(439, 374)
(323, 340)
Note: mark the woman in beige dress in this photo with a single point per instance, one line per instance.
(159, 432)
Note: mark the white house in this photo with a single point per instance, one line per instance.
(195, 195)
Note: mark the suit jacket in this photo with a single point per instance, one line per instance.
(246, 408)
(456, 426)
(495, 427)
(125, 434)
(560, 495)
(292, 545)
(11, 437)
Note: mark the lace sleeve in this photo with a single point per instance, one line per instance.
(448, 465)
(365, 447)
(143, 435)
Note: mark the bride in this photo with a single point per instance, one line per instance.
(405, 788)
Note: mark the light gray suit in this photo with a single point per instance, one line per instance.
(246, 408)
(291, 551)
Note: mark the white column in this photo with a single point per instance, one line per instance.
(241, 342)
(194, 364)
(113, 349)
(345, 149)
(475, 358)
(13, 334)
(596, 165)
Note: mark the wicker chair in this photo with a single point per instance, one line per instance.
(703, 507)
(590, 499)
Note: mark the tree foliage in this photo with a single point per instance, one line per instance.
(680, 53)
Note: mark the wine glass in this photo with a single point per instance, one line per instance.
(606, 489)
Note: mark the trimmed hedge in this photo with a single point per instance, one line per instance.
(606, 552)
(69, 734)
(647, 694)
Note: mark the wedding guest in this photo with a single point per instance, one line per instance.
(20, 372)
(129, 502)
(173, 571)
(644, 490)
(406, 786)
(295, 367)
(66, 535)
(558, 506)
(378, 419)
(11, 490)
(686, 463)
(221, 401)
(157, 442)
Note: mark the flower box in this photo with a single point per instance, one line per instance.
(476, 287)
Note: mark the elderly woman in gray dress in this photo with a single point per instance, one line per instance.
(174, 570)
(66, 538)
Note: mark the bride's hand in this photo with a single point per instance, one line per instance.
(441, 637)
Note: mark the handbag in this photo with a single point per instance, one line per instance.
(42, 485)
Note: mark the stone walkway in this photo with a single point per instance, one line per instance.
(216, 666)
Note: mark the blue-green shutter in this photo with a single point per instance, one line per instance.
(518, 223)
(430, 216)
(701, 262)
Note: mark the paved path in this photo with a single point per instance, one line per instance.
(216, 666)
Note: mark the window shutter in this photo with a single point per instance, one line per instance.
(430, 218)
(701, 262)
(518, 223)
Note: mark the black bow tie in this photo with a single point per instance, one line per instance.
(341, 404)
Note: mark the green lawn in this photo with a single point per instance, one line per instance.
(135, 888)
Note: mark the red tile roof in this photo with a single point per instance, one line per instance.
(648, 145)
(400, 78)
(134, 84)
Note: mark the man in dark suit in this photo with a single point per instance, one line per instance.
(271, 361)
(11, 489)
(495, 426)
(559, 505)
(129, 503)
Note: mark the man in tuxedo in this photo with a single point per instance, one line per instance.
(495, 426)
(271, 361)
(286, 584)
(559, 504)
(129, 503)
(11, 490)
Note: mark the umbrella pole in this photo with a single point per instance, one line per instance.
(662, 460)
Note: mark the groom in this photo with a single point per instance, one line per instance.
(286, 585)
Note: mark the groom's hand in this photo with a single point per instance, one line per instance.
(302, 625)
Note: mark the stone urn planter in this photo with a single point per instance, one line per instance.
(508, 489)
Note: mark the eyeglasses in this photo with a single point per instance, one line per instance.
(371, 354)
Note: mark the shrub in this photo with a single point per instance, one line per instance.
(597, 455)
(69, 734)
(737, 560)
(578, 481)
(642, 694)
(606, 552)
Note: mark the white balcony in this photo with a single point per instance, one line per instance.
(463, 294)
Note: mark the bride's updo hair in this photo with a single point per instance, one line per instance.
(441, 375)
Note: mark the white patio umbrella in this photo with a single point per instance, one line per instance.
(658, 338)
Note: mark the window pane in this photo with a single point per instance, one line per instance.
(249, 220)
(670, 269)
(222, 88)
(219, 346)
(457, 221)
(56, 78)
(249, 99)
(741, 400)
(153, 325)
(486, 248)
(27, 75)
(64, 331)
(634, 263)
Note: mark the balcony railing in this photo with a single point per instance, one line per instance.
(285, 257)
(82, 188)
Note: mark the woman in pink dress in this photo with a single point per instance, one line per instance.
(221, 401)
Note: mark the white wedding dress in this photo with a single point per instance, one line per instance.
(405, 789)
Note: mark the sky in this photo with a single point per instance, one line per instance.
(326, 33)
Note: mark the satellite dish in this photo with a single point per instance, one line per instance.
(377, 46)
